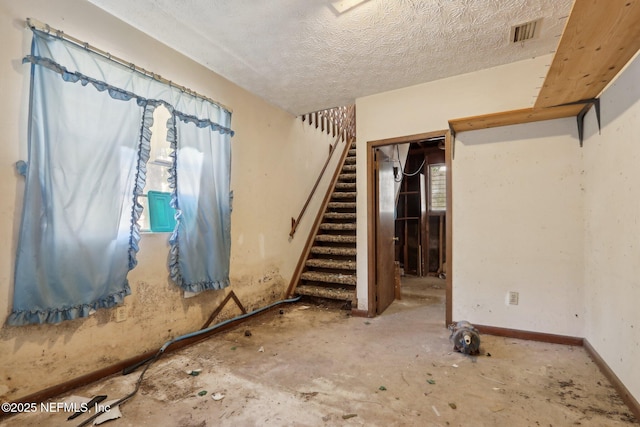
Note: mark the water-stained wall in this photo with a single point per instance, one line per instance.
(275, 161)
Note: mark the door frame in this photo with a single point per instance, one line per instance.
(372, 212)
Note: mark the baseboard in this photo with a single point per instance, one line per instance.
(618, 385)
(94, 376)
(624, 393)
(359, 313)
(528, 335)
(83, 380)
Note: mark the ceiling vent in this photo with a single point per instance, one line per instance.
(527, 31)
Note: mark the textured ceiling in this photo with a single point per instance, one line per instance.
(305, 56)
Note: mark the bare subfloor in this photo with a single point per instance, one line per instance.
(306, 365)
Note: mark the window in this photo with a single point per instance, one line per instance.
(88, 172)
(437, 187)
(157, 214)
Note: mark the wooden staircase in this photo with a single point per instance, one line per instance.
(330, 269)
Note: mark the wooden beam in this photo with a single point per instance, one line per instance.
(599, 38)
(506, 118)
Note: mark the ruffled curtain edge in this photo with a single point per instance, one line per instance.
(54, 315)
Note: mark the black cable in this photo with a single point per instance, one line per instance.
(402, 168)
(180, 338)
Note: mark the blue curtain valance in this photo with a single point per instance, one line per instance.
(120, 94)
(76, 59)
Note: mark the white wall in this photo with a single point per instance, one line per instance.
(612, 228)
(517, 226)
(427, 108)
(532, 212)
(275, 160)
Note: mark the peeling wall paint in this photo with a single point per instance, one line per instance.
(270, 147)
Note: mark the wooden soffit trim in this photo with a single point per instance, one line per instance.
(513, 117)
(599, 38)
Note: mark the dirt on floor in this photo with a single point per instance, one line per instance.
(314, 365)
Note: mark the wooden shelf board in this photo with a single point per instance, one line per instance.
(599, 38)
(513, 117)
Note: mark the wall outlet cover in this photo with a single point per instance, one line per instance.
(121, 313)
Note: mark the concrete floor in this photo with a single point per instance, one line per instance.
(315, 366)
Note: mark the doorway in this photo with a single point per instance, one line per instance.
(421, 242)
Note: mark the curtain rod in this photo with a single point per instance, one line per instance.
(34, 24)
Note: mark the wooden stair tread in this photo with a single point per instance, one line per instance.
(324, 292)
(338, 226)
(343, 195)
(347, 177)
(335, 238)
(332, 250)
(342, 205)
(345, 186)
(340, 215)
(317, 276)
(331, 263)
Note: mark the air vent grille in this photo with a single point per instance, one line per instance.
(526, 31)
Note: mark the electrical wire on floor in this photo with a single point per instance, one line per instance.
(162, 349)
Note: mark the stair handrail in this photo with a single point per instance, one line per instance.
(344, 127)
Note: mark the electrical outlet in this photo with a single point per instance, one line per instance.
(121, 313)
(513, 297)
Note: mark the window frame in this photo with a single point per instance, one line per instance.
(441, 209)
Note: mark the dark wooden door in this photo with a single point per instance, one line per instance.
(385, 232)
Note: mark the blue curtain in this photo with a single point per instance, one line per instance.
(200, 244)
(89, 135)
